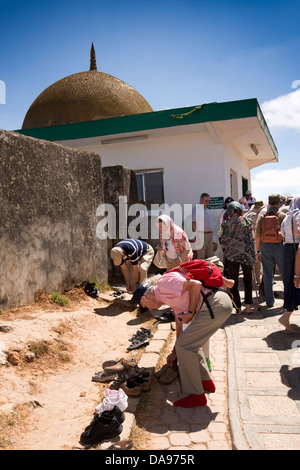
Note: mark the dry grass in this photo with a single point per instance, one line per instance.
(9, 420)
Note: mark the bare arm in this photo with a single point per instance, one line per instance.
(193, 287)
(258, 242)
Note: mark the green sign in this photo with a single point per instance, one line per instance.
(216, 203)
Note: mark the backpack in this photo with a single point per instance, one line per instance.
(201, 270)
(271, 229)
(215, 260)
(204, 271)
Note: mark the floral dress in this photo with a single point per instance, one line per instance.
(237, 240)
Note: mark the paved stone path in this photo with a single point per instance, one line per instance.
(200, 428)
(256, 369)
(264, 378)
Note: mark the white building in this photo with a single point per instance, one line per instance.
(177, 153)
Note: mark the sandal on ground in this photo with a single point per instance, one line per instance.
(108, 364)
(121, 445)
(137, 343)
(119, 365)
(142, 333)
(104, 376)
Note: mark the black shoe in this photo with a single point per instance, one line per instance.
(100, 429)
(91, 290)
(116, 412)
(166, 318)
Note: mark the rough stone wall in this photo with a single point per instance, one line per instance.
(118, 181)
(48, 200)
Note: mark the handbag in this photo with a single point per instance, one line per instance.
(159, 260)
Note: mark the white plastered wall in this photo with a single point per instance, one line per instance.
(191, 162)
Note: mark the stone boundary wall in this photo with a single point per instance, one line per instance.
(48, 200)
(118, 181)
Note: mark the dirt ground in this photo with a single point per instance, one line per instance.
(47, 403)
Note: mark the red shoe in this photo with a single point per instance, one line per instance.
(191, 401)
(209, 386)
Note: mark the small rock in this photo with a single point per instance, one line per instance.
(82, 394)
(5, 328)
(13, 358)
(36, 403)
(30, 357)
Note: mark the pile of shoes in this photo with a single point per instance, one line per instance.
(140, 338)
(107, 419)
(166, 317)
(167, 374)
(91, 289)
(133, 381)
(124, 374)
(136, 384)
(111, 370)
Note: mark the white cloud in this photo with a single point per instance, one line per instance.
(283, 111)
(285, 182)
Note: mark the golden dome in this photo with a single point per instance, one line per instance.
(84, 96)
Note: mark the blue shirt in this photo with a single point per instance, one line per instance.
(133, 249)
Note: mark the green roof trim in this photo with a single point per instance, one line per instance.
(206, 112)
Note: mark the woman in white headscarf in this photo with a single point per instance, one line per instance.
(291, 240)
(174, 242)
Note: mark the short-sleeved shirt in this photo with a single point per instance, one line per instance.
(207, 221)
(169, 291)
(133, 249)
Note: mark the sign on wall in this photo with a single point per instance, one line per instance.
(216, 202)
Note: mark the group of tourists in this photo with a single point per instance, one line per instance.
(254, 237)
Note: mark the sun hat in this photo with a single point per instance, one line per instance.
(138, 294)
(258, 204)
(116, 254)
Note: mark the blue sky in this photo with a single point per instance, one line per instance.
(175, 53)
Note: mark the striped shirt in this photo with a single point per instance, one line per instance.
(133, 249)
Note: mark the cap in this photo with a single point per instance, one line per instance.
(258, 204)
(116, 255)
(248, 192)
(274, 198)
(138, 294)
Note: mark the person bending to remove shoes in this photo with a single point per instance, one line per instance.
(134, 258)
(194, 325)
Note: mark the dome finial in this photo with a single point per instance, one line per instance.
(93, 65)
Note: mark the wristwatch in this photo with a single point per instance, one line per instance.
(192, 312)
